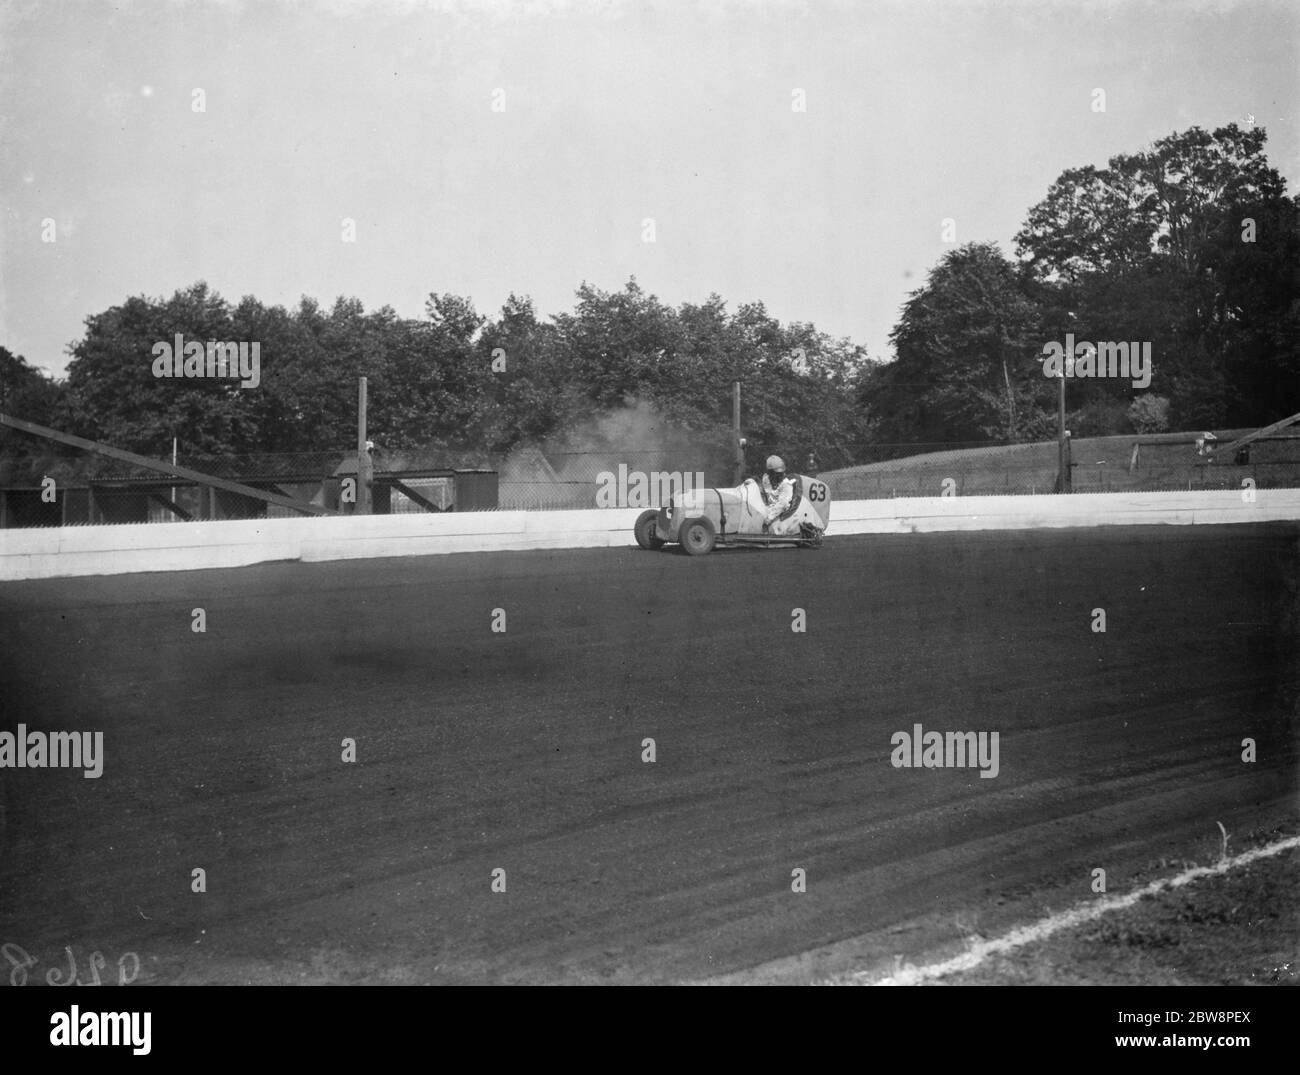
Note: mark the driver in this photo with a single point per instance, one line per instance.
(777, 490)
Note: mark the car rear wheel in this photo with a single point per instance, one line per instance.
(698, 536)
(645, 530)
(811, 536)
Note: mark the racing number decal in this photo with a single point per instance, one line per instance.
(816, 491)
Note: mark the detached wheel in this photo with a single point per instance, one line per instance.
(645, 530)
(698, 536)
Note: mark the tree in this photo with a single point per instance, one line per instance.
(533, 393)
(1153, 248)
(28, 393)
(112, 393)
(967, 346)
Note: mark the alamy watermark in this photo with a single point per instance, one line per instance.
(1105, 358)
(637, 489)
(75, 1027)
(950, 750)
(214, 360)
(53, 750)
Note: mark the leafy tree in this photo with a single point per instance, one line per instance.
(624, 345)
(1091, 221)
(968, 347)
(1149, 414)
(534, 394)
(1254, 322)
(28, 393)
(1153, 248)
(112, 393)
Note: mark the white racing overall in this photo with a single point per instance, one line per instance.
(776, 502)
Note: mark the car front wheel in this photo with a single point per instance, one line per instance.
(645, 530)
(698, 536)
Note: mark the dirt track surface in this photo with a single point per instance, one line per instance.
(523, 751)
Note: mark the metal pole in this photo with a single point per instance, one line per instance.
(1063, 469)
(365, 467)
(735, 433)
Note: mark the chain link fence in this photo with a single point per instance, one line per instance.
(97, 489)
(1115, 464)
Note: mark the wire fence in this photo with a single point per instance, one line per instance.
(1113, 464)
(1037, 482)
(92, 488)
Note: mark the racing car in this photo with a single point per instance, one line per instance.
(703, 519)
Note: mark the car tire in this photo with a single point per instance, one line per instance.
(698, 536)
(810, 536)
(645, 530)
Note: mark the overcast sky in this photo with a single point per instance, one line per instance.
(613, 113)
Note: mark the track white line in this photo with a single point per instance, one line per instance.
(1018, 938)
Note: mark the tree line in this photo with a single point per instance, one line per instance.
(1191, 245)
(455, 379)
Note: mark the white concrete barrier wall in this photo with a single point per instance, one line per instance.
(111, 550)
(930, 514)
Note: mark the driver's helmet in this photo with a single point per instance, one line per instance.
(775, 470)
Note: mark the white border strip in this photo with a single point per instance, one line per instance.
(1018, 938)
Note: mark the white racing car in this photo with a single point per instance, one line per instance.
(704, 518)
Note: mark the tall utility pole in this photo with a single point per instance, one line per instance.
(735, 433)
(1061, 466)
(365, 467)
(1064, 482)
